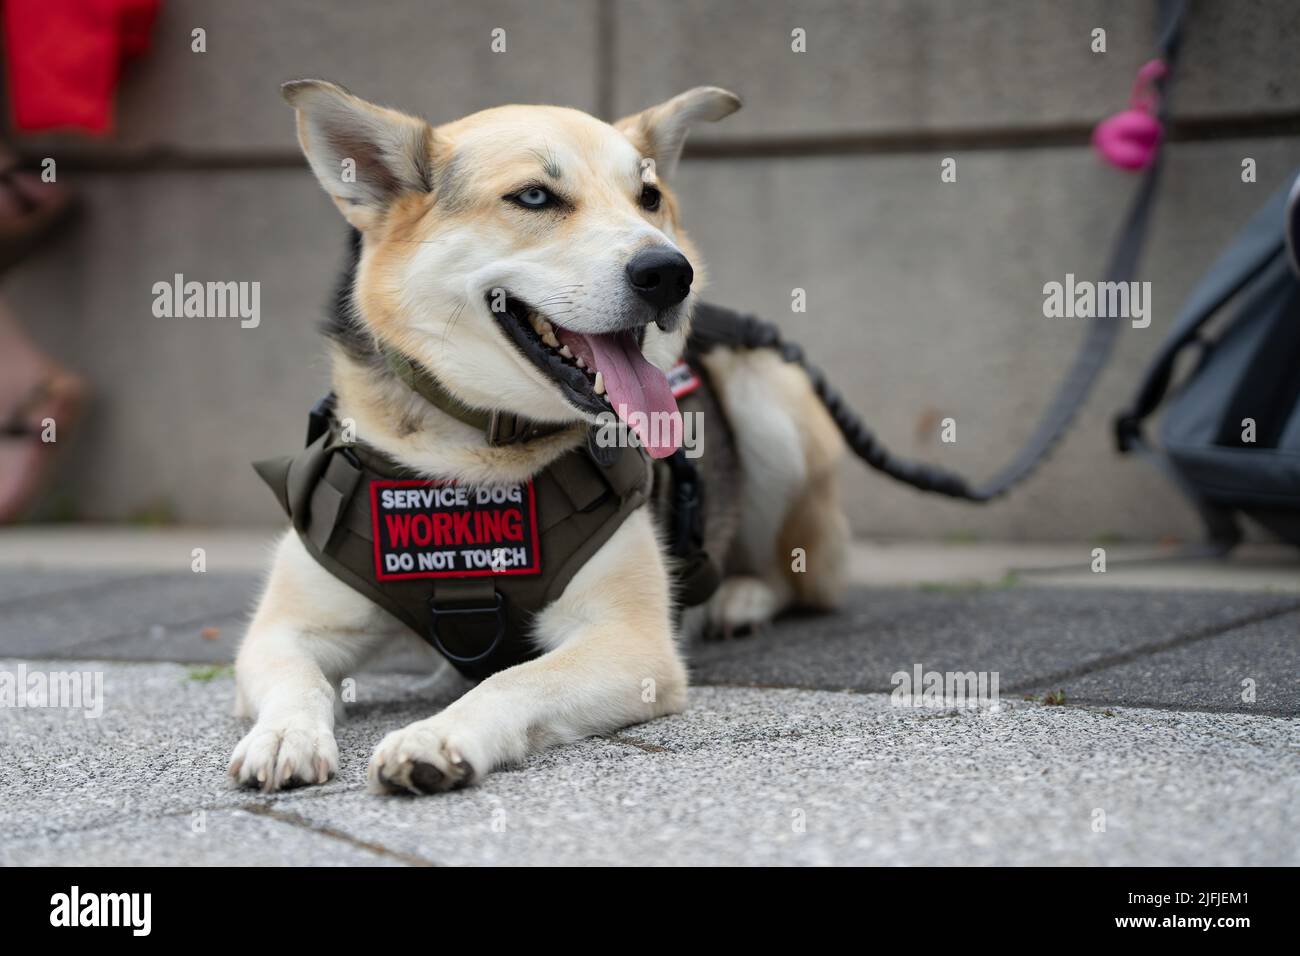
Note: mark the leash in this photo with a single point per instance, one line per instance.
(1129, 140)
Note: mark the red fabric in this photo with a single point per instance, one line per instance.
(65, 58)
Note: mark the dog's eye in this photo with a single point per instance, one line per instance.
(650, 197)
(534, 197)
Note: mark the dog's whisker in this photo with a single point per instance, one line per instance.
(455, 315)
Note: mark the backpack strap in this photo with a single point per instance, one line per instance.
(1252, 251)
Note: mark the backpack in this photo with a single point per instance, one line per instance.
(1230, 434)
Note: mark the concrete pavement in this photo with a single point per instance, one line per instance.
(1134, 725)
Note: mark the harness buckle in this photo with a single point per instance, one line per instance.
(459, 631)
(687, 506)
(318, 419)
(503, 428)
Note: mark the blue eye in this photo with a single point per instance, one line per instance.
(535, 197)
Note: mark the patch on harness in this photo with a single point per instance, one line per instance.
(433, 529)
(682, 380)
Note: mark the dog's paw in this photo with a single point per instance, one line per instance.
(740, 606)
(274, 756)
(428, 756)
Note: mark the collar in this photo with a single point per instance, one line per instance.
(500, 428)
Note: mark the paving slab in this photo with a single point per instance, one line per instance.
(1253, 669)
(1030, 636)
(124, 616)
(161, 746)
(743, 776)
(141, 616)
(80, 550)
(199, 838)
(1036, 639)
(19, 584)
(45, 558)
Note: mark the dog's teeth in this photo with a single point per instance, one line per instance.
(545, 327)
(549, 338)
(564, 350)
(581, 363)
(600, 384)
(537, 322)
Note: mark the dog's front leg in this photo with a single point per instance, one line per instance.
(310, 631)
(611, 662)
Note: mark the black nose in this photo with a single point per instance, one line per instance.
(661, 276)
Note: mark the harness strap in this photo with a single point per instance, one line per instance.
(481, 624)
(696, 574)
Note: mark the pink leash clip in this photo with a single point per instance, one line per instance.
(1131, 139)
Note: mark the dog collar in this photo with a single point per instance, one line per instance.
(500, 428)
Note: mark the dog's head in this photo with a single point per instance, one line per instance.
(530, 257)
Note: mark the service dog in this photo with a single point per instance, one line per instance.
(532, 259)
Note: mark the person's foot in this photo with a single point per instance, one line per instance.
(30, 211)
(31, 426)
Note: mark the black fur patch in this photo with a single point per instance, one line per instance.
(342, 325)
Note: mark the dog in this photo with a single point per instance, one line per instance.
(573, 224)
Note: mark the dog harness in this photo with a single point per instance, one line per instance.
(466, 568)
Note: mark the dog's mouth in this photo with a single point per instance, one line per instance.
(597, 372)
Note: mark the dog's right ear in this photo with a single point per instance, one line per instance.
(660, 132)
(364, 155)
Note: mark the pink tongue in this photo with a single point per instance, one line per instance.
(632, 386)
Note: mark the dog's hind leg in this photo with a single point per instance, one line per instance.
(813, 548)
(792, 543)
(310, 631)
(610, 661)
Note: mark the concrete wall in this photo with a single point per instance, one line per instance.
(924, 298)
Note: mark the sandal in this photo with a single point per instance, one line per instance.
(25, 457)
(38, 216)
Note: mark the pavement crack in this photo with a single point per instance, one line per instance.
(1098, 704)
(1147, 650)
(295, 820)
(637, 743)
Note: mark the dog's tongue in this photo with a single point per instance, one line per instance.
(632, 385)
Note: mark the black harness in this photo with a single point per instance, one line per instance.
(467, 568)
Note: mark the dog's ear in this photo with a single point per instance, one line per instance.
(660, 132)
(364, 155)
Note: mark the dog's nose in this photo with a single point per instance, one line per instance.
(660, 275)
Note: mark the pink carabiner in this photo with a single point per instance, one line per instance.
(1130, 139)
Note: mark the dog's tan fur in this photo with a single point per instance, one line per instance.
(429, 205)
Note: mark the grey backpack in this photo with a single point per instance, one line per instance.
(1230, 435)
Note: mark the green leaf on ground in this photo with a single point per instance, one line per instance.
(207, 672)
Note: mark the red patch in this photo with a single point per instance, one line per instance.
(682, 380)
(438, 529)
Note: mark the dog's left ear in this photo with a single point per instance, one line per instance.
(660, 132)
(364, 155)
